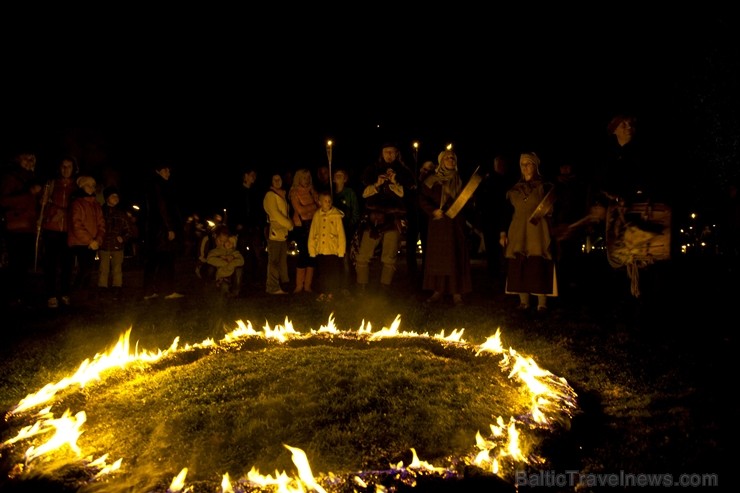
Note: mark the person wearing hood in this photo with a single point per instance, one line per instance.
(527, 243)
(447, 258)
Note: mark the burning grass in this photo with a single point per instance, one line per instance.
(351, 401)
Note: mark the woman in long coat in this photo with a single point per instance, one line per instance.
(447, 259)
(531, 269)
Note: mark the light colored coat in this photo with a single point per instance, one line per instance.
(326, 236)
(276, 207)
(531, 240)
(225, 260)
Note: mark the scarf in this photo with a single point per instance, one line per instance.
(449, 179)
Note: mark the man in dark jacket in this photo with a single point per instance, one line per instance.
(385, 213)
(247, 219)
(19, 204)
(164, 230)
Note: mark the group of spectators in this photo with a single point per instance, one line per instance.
(532, 229)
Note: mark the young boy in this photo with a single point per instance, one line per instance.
(229, 263)
(117, 233)
(327, 243)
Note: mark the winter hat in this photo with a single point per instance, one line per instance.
(85, 180)
(530, 157)
(110, 191)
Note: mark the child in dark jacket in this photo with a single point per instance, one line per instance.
(117, 233)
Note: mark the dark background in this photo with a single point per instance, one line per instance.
(214, 97)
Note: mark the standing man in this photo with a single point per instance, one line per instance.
(493, 214)
(19, 204)
(164, 230)
(246, 218)
(385, 182)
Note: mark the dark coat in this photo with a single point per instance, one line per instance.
(446, 248)
(117, 225)
(162, 215)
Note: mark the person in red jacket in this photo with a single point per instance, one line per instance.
(19, 204)
(86, 230)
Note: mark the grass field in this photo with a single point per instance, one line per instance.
(649, 392)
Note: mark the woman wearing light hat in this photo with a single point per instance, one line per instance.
(527, 243)
(86, 229)
(447, 262)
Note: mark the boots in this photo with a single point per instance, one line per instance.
(300, 278)
(309, 279)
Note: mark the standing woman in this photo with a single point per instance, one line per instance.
(530, 268)
(276, 207)
(58, 261)
(305, 202)
(447, 260)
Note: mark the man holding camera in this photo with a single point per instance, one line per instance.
(384, 219)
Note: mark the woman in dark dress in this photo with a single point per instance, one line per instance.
(531, 269)
(447, 259)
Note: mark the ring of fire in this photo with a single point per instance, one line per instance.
(552, 402)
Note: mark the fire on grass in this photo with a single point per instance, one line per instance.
(552, 402)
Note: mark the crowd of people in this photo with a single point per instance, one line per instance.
(532, 229)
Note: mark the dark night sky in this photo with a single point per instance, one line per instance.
(215, 104)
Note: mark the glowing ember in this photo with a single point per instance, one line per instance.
(551, 400)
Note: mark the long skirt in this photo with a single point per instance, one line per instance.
(535, 275)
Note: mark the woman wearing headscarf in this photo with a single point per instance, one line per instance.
(447, 259)
(531, 269)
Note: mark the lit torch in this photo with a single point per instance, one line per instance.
(415, 147)
(328, 156)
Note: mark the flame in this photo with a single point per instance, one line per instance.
(118, 357)
(178, 482)
(551, 397)
(304, 470)
(103, 467)
(226, 484)
(66, 432)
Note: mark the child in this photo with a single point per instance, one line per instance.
(327, 243)
(229, 263)
(86, 229)
(203, 269)
(117, 233)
